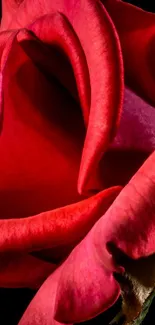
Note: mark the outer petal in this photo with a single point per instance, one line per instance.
(62, 226)
(136, 29)
(86, 286)
(41, 309)
(22, 270)
(79, 289)
(137, 126)
(134, 234)
(133, 143)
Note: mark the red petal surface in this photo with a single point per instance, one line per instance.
(40, 121)
(9, 9)
(86, 285)
(136, 29)
(62, 226)
(22, 270)
(54, 30)
(100, 44)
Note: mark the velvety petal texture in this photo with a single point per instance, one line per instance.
(85, 282)
(77, 175)
(62, 226)
(41, 309)
(133, 143)
(45, 114)
(56, 228)
(50, 124)
(137, 125)
(128, 224)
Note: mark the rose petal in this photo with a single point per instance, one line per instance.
(22, 270)
(133, 143)
(62, 226)
(134, 208)
(136, 29)
(137, 125)
(9, 9)
(6, 41)
(101, 47)
(55, 30)
(36, 182)
(33, 134)
(80, 288)
(86, 286)
(41, 309)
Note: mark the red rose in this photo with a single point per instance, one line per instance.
(70, 139)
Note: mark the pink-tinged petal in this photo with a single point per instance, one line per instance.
(22, 270)
(84, 283)
(6, 41)
(133, 143)
(101, 47)
(4, 36)
(41, 309)
(87, 286)
(9, 9)
(62, 226)
(131, 219)
(137, 125)
(136, 29)
(79, 289)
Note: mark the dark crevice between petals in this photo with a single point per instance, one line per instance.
(59, 55)
(59, 65)
(137, 285)
(55, 73)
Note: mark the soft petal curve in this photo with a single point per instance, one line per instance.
(41, 309)
(136, 30)
(87, 274)
(23, 270)
(62, 226)
(133, 143)
(129, 224)
(105, 67)
(137, 125)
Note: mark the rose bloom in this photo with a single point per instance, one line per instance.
(77, 160)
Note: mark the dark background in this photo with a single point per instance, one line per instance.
(13, 302)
